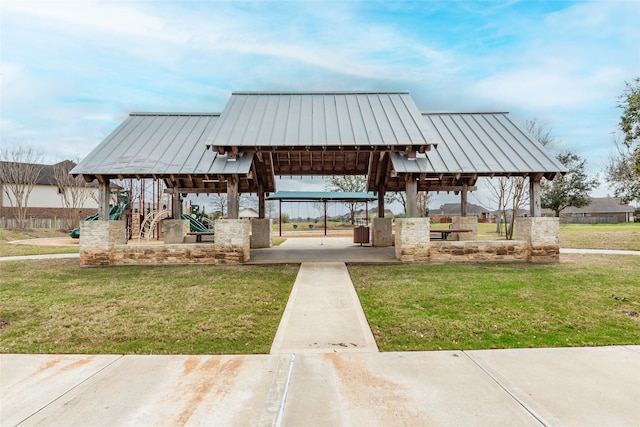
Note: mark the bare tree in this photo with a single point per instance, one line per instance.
(220, 204)
(74, 192)
(19, 172)
(510, 194)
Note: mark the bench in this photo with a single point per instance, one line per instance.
(445, 233)
(199, 234)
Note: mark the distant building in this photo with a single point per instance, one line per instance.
(45, 206)
(601, 210)
(248, 213)
(446, 211)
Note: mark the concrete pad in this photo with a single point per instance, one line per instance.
(174, 390)
(323, 313)
(323, 249)
(570, 386)
(397, 389)
(30, 382)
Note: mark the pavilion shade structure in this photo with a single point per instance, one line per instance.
(321, 120)
(261, 135)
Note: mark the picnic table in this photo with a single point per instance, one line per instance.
(199, 234)
(445, 233)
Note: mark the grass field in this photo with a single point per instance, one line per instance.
(57, 307)
(589, 301)
(8, 249)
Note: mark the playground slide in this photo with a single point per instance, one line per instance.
(194, 224)
(114, 214)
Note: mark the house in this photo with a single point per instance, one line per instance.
(601, 210)
(46, 207)
(448, 210)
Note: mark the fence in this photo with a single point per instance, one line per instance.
(31, 222)
(589, 220)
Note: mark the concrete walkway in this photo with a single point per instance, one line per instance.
(523, 387)
(323, 314)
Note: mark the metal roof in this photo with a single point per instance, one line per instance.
(321, 119)
(479, 143)
(306, 196)
(156, 144)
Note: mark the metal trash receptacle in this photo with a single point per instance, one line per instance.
(361, 234)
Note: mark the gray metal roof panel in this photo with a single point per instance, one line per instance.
(322, 195)
(149, 143)
(483, 143)
(288, 119)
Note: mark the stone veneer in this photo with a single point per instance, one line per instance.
(261, 232)
(174, 230)
(97, 239)
(464, 223)
(381, 234)
(479, 250)
(233, 236)
(412, 239)
(542, 235)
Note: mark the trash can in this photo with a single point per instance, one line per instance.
(361, 234)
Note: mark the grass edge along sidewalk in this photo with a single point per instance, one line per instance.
(56, 307)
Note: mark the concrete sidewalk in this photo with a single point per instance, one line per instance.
(569, 386)
(323, 314)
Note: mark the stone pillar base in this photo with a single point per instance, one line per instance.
(97, 239)
(412, 239)
(464, 223)
(174, 230)
(381, 232)
(261, 232)
(543, 237)
(233, 239)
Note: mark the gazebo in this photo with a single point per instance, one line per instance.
(261, 135)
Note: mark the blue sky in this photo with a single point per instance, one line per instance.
(71, 71)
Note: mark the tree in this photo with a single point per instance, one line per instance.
(623, 168)
(622, 176)
(510, 194)
(19, 172)
(630, 120)
(571, 189)
(348, 184)
(219, 202)
(74, 192)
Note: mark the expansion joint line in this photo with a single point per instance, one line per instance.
(283, 399)
(538, 417)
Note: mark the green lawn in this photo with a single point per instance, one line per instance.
(625, 236)
(58, 307)
(590, 301)
(9, 249)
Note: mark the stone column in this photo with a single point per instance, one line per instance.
(542, 234)
(412, 239)
(232, 241)
(97, 239)
(261, 232)
(174, 230)
(381, 232)
(464, 223)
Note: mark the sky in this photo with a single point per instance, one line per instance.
(71, 71)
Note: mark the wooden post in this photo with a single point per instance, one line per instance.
(104, 196)
(280, 217)
(233, 207)
(412, 196)
(463, 200)
(381, 201)
(325, 217)
(535, 209)
(260, 201)
(175, 208)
